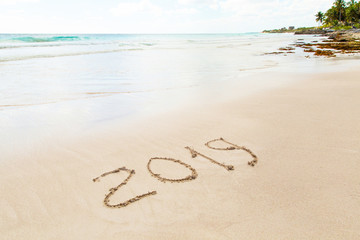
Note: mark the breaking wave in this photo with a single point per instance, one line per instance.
(30, 39)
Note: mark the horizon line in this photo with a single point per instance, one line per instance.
(194, 33)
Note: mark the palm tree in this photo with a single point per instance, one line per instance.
(331, 16)
(340, 6)
(352, 12)
(341, 12)
(320, 17)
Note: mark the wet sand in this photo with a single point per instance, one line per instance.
(306, 184)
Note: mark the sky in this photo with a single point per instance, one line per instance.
(156, 16)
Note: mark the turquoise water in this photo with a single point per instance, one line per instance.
(44, 69)
(15, 46)
(43, 39)
(60, 80)
(51, 85)
(80, 37)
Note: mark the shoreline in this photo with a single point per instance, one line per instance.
(305, 186)
(338, 42)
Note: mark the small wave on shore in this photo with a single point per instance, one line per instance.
(47, 39)
(45, 69)
(34, 56)
(16, 47)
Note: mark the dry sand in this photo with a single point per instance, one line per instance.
(305, 186)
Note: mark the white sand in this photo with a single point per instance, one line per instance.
(305, 186)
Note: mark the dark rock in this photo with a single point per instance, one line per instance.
(310, 31)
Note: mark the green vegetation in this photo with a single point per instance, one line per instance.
(304, 28)
(288, 30)
(341, 16)
(320, 17)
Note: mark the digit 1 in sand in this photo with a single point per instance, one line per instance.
(194, 154)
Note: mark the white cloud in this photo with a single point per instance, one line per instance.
(145, 7)
(286, 7)
(146, 16)
(273, 13)
(198, 2)
(132, 8)
(214, 4)
(12, 2)
(182, 11)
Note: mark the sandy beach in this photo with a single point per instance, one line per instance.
(306, 184)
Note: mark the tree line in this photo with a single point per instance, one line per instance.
(341, 14)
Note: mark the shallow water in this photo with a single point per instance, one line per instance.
(50, 82)
(47, 69)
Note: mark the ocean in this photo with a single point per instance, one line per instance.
(47, 69)
(75, 81)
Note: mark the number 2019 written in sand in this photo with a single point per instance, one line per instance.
(190, 177)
